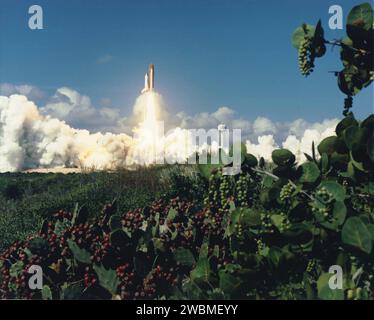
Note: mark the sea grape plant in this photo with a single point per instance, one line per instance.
(270, 232)
(356, 51)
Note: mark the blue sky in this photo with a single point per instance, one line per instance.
(207, 53)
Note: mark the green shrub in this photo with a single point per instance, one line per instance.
(259, 235)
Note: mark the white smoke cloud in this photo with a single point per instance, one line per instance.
(297, 145)
(206, 120)
(304, 144)
(263, 125)
(264, 147)
(29, 139)
(78, 111)
(52, 136)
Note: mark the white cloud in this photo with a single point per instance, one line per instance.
(263, 125)
(32, 92)
(264, 147)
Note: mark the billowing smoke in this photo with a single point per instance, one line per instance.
(33, 138)
(30, 140)
(297, 145)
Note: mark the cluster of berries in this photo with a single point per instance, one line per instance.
(242, 189)
(306, 58)
(286, 192)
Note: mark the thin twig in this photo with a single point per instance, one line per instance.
(302, 191)
(266, 172)
(277, 178)
(341, 44)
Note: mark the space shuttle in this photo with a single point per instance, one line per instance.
(149, 81)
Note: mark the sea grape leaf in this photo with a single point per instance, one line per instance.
(310, 172)
(324, 290)
(184, 257)
(107, 278)
(80, 255)
(356, 234)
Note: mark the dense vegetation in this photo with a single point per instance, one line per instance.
(259, 234)
(270, 232)
(27, 199)
(356, 51)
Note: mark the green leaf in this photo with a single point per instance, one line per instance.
(339, 212)
(339, 160)
(339, 215)
(345, 123)
(80, 215)
(361, 16)
(232, 206)
(356, 137)
(184, 257)
(216, 251)
(283, 157)
(107, 278)
(277, 220)
(250, 160)
(115, 222)
(80, 255)
(334, 188)
(250, 217)
(243, 153)
(310, 172)
(201, 271)
(318, 43)
(46, 293)
(267, 196)
(351, 80)
(204, 249)
(370, 149)
(171, 214)
(324, 291)
(61, 226)
(327, 145)
(156, 228)
(356, 234)
(268, 181)
(368, 123)
(234, 218)
(299, 34)
(275, 256)
(206, 170)
(371, 230)
(119, 238)
(357, 165)
(228, 283)
(16, 269)
(350, 173)
(71, 291)
(39, 246)
(324, 162)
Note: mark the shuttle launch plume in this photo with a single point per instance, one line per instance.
(29, 139)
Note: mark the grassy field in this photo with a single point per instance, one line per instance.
(26, 199)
